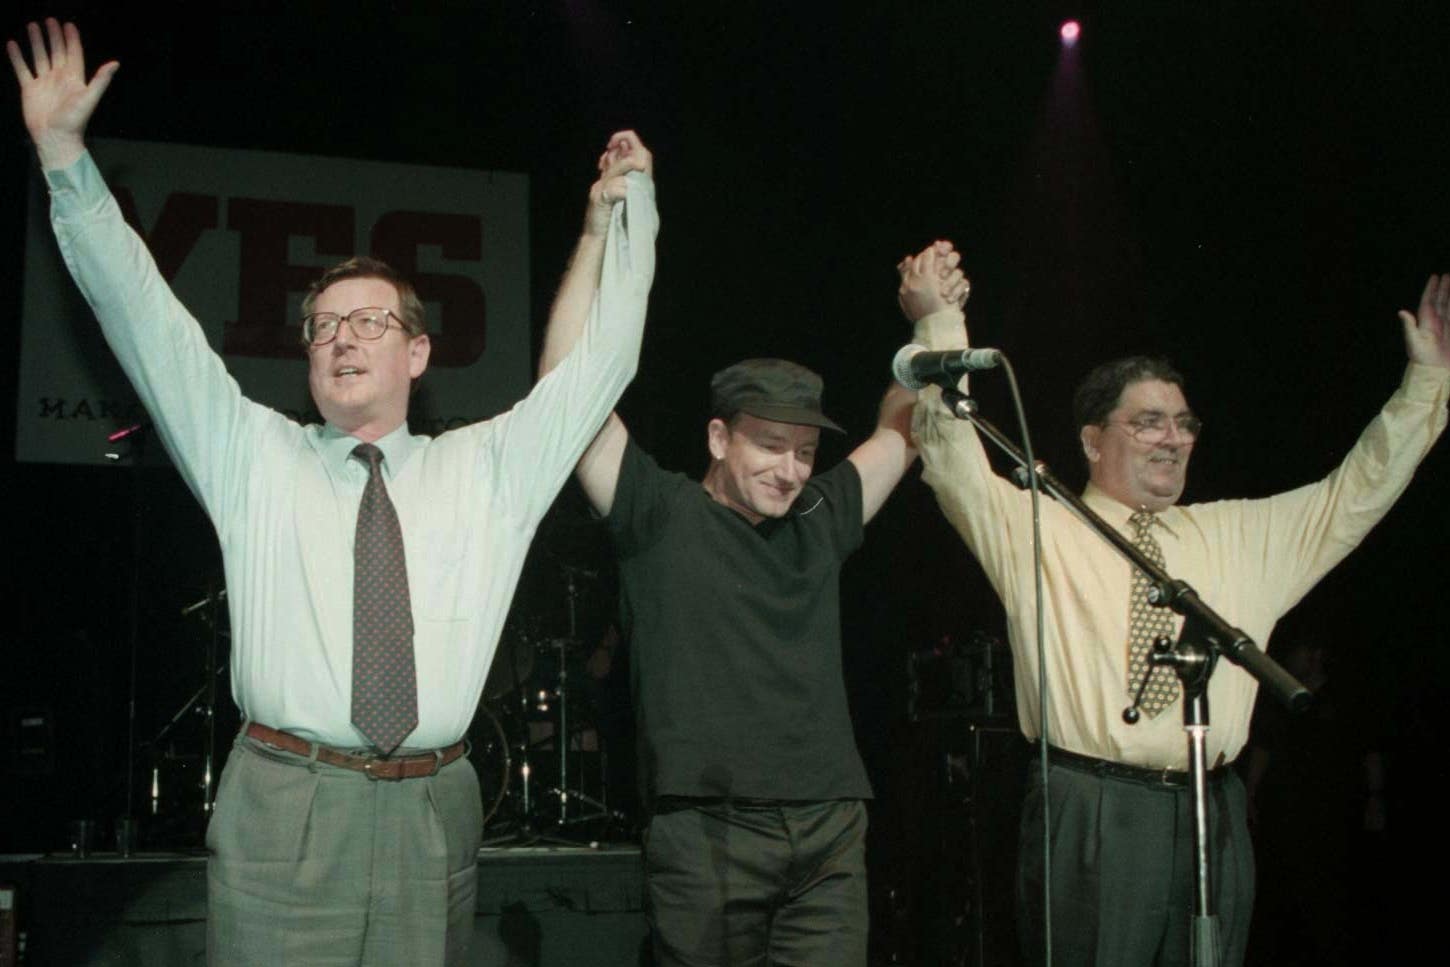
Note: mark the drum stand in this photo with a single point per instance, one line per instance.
(594, 808)
(517, 763)
(202, 702)
(569, 799)
(134, 436)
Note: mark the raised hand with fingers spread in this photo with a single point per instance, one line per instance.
(1427, 333)
(56, 100)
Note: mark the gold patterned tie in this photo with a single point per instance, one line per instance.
(1146, 623)
(384, 679)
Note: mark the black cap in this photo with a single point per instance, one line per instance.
(771, 389)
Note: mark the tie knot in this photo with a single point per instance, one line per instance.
(1143, 521)
(369, 455)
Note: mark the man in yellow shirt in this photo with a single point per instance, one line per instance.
(1121, 878)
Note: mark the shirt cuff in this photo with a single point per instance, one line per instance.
(77, 188)
(1425, 384)
(943, 329)
(640, 182)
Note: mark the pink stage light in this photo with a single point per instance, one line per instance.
(1069, 32)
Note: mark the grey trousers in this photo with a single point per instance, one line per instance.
(734, 885)
(316, 865)
(1122, 870)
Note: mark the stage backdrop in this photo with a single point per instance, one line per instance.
(239, 235)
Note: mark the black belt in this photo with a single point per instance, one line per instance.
(1120, 770)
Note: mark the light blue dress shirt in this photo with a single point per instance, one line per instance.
(284, 497)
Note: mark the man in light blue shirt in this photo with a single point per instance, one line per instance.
(314, 859)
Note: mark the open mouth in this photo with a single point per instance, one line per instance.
(343, 371)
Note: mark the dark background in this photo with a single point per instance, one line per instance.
(1250, 189)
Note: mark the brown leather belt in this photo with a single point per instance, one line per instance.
(404, 767)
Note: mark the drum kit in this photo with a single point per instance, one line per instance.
(536, 743)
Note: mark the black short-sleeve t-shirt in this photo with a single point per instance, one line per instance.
(735, 636)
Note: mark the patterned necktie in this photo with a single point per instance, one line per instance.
(1147, 623)
(384, 681)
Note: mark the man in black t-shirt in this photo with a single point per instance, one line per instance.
(729, 593)
(755, 845)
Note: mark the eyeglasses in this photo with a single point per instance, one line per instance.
(1153, 428)
(368, 323)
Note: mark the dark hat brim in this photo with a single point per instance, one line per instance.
(799, 415)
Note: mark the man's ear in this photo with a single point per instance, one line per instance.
(718, 437)
(1090, 435)
(419, 349)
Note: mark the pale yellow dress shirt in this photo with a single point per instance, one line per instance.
(1250, 560)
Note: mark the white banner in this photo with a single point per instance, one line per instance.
(239, 235)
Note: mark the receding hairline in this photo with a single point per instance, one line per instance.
(410, 307)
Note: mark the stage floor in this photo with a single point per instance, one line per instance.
(536, 905)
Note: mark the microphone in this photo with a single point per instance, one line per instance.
(916, 366)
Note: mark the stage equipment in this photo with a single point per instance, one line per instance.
(549, 736)
(183, 784)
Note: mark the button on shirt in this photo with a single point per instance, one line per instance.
(1250, 560)
(284, 498)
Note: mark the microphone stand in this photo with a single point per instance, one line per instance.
(1205, 637)
(135, 437)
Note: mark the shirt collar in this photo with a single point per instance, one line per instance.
(1117, 513)
(397, 447)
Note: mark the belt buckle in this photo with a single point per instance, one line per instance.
(1175, 777)
(376, 777)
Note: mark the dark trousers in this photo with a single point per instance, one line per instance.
(1122, 870)
(735, 884)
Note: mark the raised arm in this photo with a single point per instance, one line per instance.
(598, 469)
(200, 413)
(56, 100)
(931, 282)
(1292, 539)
